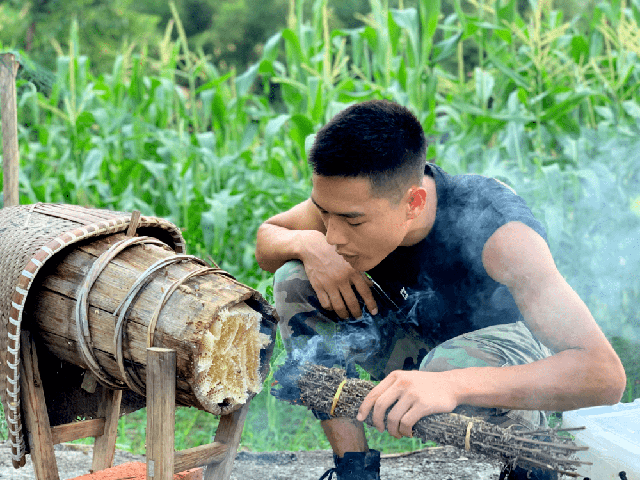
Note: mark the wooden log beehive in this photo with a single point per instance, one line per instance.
(96, 297)
(216, 335)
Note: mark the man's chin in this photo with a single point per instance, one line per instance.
(362, 264)
(353, 260)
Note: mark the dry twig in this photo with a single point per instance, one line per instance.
(542, 448)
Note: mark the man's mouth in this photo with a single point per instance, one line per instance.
(348, 257)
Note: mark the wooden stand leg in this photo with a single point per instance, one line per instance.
(229, 432)
(161, 405)
(104, 449)
(35, 413)
(9, 113)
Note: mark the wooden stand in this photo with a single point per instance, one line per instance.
(162, 460)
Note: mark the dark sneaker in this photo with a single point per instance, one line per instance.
(355, 466)
(519, 473)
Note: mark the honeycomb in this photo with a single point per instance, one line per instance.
(228, 363)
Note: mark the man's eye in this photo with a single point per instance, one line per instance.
(355, 224)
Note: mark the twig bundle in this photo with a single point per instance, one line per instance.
(542, 448)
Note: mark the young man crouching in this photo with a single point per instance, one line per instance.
(489, 326)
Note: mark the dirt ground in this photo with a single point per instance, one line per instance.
(439, 463)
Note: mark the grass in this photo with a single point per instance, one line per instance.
(548, 108)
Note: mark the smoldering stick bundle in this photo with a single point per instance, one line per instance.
(328, 390)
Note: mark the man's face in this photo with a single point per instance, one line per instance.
(363, 228)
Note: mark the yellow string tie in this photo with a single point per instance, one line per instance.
(467, 440)
(337, 396)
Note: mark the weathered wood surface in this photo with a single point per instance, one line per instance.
(8, 109)
(186, 315)
(73, 431)
(229, 433)
(199, 456)
(104, 448)
(35, 413)
(161, 385)
(64, 348)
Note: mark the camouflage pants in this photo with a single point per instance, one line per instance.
(399, 347)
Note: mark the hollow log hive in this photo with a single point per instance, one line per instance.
(95, 288)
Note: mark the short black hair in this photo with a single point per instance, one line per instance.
(379, 140)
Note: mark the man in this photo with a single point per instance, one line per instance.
(461, 265)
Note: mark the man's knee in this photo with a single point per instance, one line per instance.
(291, 269)
(496, 346)
(460, 353)
(301, 316)
(291, 290)
(289, 276)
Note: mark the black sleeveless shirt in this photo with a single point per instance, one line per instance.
(440, 285)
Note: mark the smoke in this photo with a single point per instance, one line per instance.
(593, 225)
(353, 342)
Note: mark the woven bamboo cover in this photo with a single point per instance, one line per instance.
(29, 236)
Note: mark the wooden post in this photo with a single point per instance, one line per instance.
(104, 448)
(10, 151)
(35, 413)
(229, 432)
(161, 405)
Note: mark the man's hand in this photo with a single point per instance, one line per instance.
(417, 394)
(334, 280)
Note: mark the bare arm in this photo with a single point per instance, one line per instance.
(289, 236)
(299, 234)
(584, 370)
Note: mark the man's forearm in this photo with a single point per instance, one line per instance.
(566, 381)
(277, 245)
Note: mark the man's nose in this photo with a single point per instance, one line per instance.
(335, 232)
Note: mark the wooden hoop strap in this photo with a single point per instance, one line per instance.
(131, 378)
(154, 318)
(82, 308)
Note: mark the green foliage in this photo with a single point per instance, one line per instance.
(207, 26)
(40, 28)
(4, 431)
(628, 352)
(551, 107)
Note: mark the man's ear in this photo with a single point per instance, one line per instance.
(416, 201)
